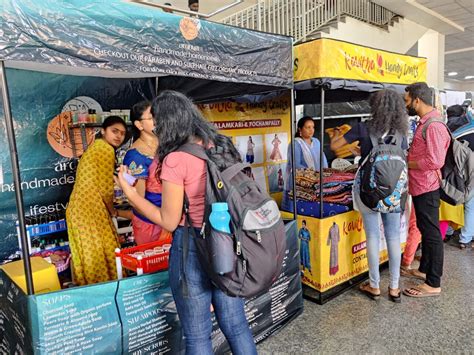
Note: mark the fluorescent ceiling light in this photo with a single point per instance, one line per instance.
(452, 73)
(469, 77)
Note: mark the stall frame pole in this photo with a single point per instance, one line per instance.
(292, 145)
(321, 155)
(16, 178)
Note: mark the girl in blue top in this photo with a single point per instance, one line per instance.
(138, 160)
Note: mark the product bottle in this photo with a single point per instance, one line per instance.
(222, 245)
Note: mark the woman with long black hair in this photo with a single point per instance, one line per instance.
(177, 122)
(388, 116)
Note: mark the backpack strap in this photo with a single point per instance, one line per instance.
(194, 149)
(233, 170)
(187, 226)
(430, 121)
(382, 140)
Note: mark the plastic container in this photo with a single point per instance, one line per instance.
(222, 244)
(126, 259)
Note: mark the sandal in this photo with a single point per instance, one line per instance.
(397, 298)
(405, 271)
(420, 292)
(463, 245)
(414, 274)
(366, 289)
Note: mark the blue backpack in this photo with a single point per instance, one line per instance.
(384, 175)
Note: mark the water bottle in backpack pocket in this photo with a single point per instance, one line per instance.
(222, 243)
(384, 175)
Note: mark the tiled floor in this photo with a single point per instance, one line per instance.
(352, 323)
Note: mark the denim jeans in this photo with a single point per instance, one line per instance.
(467, 232)
(194, 309)
(391, 225)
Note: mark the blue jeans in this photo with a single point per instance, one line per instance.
(467, 232)
(391, 224)
(194, 309)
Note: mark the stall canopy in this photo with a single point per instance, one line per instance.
(121, 39)
(351, 71)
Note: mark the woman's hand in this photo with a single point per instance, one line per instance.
(127, 189)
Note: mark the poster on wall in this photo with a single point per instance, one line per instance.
(250, 148)
(261, 133)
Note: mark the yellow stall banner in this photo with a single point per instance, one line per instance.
(333, 250)
(328, 58)
(261, 133)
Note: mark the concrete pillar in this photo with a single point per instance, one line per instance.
(431, 46)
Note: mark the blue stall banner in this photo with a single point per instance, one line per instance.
(119, 38)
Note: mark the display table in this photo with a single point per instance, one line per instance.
(135, 315)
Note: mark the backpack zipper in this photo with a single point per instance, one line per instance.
(259, 236)
(239, 249)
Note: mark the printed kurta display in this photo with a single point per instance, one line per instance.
(92, 235)
(304, 237)
(333, 240)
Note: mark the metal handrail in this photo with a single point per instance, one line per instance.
(300, 18)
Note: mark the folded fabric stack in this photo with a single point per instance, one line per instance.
(337, 186)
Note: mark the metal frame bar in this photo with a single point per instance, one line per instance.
(321, 154)
(16, 178)
(177, 9)
(292, 145)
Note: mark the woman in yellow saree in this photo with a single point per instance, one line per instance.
(92, 235)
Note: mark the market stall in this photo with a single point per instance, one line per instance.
(330, 71)
(137, 49)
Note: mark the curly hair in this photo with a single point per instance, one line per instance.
(178, 121)
(388, 113)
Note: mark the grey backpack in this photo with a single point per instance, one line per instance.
(257, 231)
(457, 173)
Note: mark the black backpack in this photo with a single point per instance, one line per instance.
(457, 173)
(384, 175)
(258, 233)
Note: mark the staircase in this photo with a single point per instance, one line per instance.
(303, 19)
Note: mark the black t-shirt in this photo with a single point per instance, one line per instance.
(360, 133)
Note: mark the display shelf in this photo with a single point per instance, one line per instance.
(83, 126)
(37, 231)
(61, 247)
(46, 228)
